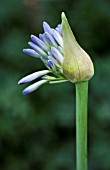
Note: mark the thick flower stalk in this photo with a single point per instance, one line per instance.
(49, 48)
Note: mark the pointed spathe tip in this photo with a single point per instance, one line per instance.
(64, 21)
(63, 14)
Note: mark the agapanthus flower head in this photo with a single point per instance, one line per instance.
(49, 48)
(61, 54)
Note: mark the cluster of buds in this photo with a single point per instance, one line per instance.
(61, 54)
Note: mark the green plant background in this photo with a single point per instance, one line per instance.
(37, 131)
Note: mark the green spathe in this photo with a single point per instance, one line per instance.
(77, 65)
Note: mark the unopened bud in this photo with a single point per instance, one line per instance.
(77, 65)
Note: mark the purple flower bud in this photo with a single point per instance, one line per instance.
(31, 52)
(50, 39)
(58, 56)
(36, 48)
(42, 38)
(47, 28)
(33, 76)
(57, 37)
(40, 43)
(59, 28)
(34, 86)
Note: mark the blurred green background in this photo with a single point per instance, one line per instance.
(37, 131)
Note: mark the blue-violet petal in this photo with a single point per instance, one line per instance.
(39, 42)
(34, 86)
(47, 28)
(58, 56)
(36, 48)
(33, 76)
(31, 52)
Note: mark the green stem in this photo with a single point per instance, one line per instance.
(81, 125)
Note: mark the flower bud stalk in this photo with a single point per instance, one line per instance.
(81, 125)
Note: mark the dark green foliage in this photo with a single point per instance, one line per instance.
(38, 131)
